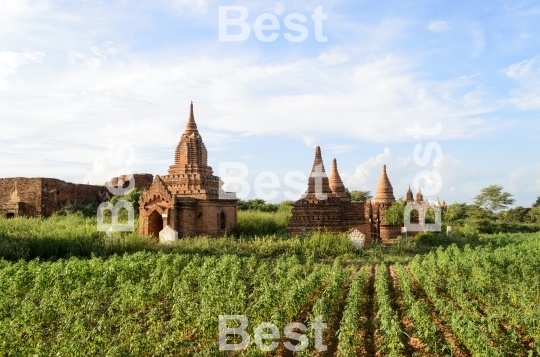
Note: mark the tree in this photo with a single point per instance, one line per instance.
(533, 215)
(493, 198)
(455, 212)
(395, 213)
(537, 203)
(478, 213)
(358, 195)
(514, 215)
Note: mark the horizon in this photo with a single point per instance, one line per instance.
(86, 87)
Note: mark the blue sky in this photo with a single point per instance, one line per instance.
(70, 70)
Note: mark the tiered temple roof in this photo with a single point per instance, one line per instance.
(190, 176)
(189, 198)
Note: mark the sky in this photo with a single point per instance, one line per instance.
(93, 89)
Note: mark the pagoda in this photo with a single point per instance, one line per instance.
(325, 205)
(189, 198)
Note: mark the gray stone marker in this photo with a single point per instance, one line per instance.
(168, 235)
(449, 231)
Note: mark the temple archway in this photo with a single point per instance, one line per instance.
(155, 224)
(222, 221)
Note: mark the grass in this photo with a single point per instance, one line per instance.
(258, 233)
(256, 223)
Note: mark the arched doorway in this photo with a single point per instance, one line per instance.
(155, 224)
(222, 221)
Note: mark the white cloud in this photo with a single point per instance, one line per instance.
(479, 42)
(370, 100)
(14, 13)
(339, 148)
(277, 9)
(527, 74)
(11, 61)
(334, 57)
(524, 184)
(189, 6)
(367, 174)
(460, 182)
(439, 26)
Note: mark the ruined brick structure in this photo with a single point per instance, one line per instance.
(142, 181)
(41, 197)
(326, 206)
(384, 197)
(189, 198)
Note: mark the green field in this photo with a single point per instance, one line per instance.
(66, 290)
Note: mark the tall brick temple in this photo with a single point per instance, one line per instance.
(189, 198)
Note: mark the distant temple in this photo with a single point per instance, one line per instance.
(326, 206)
(189, 198)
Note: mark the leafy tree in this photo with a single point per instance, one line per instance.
(533, 215)
(537, 203)
(493, 198)
(514, 215)
(478, 213)
(429, 215)
(455, 213)
(358, 195)
(133, 197)
(257, 205)
(88, 208)
(395, 213)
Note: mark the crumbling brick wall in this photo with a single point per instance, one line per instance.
(142, 181)
(56, 194)
(20, 192)
(43, 196)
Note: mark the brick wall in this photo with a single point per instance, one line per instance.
(142, 181)
(44, 196)
(390, 232)
(366, 229)
(21, 189)
(56, 194)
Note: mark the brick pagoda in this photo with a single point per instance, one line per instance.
(326, 206)
(189, 198)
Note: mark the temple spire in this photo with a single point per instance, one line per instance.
(336, 184)
(409, 195)
(191, 126)
(419, 196)
(318, 165)
(385, 192)
(318, 181)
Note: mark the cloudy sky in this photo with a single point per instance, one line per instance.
(92, 89)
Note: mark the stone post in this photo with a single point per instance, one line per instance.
(404, 233)
(449, 231)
